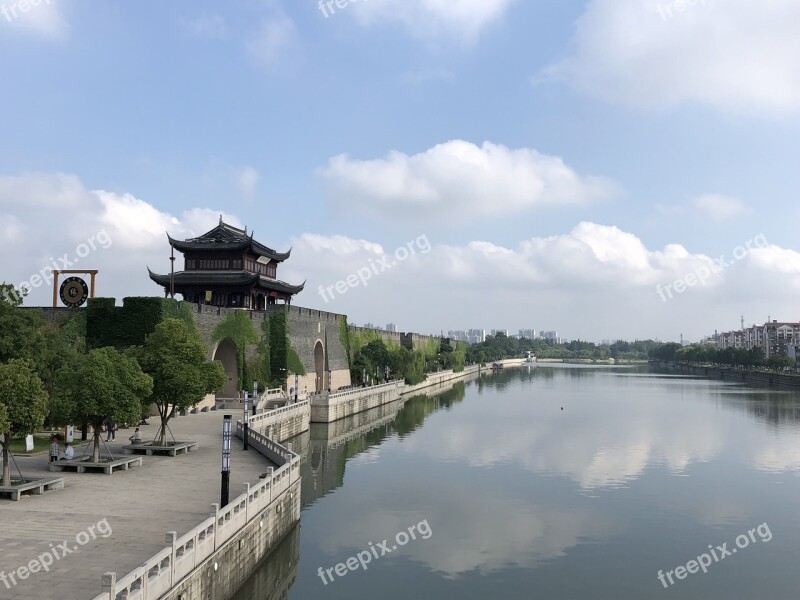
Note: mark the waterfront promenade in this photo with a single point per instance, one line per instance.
(140, 505)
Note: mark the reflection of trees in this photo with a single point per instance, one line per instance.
(775, 412)
(418, 408)
(276, 573)
(331, 445)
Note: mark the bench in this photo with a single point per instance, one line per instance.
(150, 449)
(83, 465)
(35, 487)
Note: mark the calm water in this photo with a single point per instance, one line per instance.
(639, 472)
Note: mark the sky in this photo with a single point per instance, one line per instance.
(603, 168)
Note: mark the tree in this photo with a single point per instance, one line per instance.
(21, 327)
(176, 360)
(103, 384)
(23, 405)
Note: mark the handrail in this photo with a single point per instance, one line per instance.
(165, 569)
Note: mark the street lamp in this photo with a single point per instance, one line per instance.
(226, 461)
(246, 423)
(296, 385)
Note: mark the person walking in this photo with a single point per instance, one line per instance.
(111, 430)
(55, 449)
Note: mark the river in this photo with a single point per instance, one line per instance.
(556, 482)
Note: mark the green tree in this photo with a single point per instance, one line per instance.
(23, 405)
(21, 328)
(176, 360)
(103, 384)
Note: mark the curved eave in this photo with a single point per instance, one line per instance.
(282, 286)
(195, 245)
(262, 250)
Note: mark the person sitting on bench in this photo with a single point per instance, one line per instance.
(136, 438)
(69, 452)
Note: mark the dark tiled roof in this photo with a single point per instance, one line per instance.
(232, 278)
(225, 237)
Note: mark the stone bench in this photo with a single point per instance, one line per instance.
(83, 465)
(170, 450)
(35, 487)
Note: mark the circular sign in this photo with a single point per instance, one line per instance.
(74, 292)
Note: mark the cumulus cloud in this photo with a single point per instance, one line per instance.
(463, 19)
(596, 281)
(457, 177)
(734, 55)
(45, 217)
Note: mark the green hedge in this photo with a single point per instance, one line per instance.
(128, 325)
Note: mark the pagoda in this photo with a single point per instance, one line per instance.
(227, 267)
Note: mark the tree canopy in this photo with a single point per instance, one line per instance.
(182, 376)
(23, 404)
(103, 384)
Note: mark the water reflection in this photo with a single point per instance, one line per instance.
(277, 572)
(557, 482)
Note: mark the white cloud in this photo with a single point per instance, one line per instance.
(246, 179)
(44, 19)
(51, 215)
(206, 27)
(275, 39)
(463, 19)
(734, 55)
(595, 282)
(457, 178)
(719, 208)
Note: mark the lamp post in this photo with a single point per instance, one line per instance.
(255, 397)
(226, 461)
(329, 381)
(296, 385)
(246, 423)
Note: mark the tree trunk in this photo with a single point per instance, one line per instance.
(6, 460)
(96, 448)
(162, 433)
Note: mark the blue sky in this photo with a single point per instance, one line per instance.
(563, 159)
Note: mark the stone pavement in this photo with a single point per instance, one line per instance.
(140, 505)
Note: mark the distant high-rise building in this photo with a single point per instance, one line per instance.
(552, 336)
(478, 335)
(503, 331)
(527, 334)
(391, 327)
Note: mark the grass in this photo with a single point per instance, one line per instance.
(40, 444)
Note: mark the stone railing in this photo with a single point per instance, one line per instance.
(183, 554)
(270, 417)
(364, 391)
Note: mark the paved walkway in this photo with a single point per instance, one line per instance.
(140, 505)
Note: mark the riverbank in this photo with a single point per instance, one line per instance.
(768, 378)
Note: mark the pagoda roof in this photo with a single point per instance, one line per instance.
(231, 278)
(226, 237)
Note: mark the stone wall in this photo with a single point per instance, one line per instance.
(306, 327)
(284, 423)
(328, 408)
